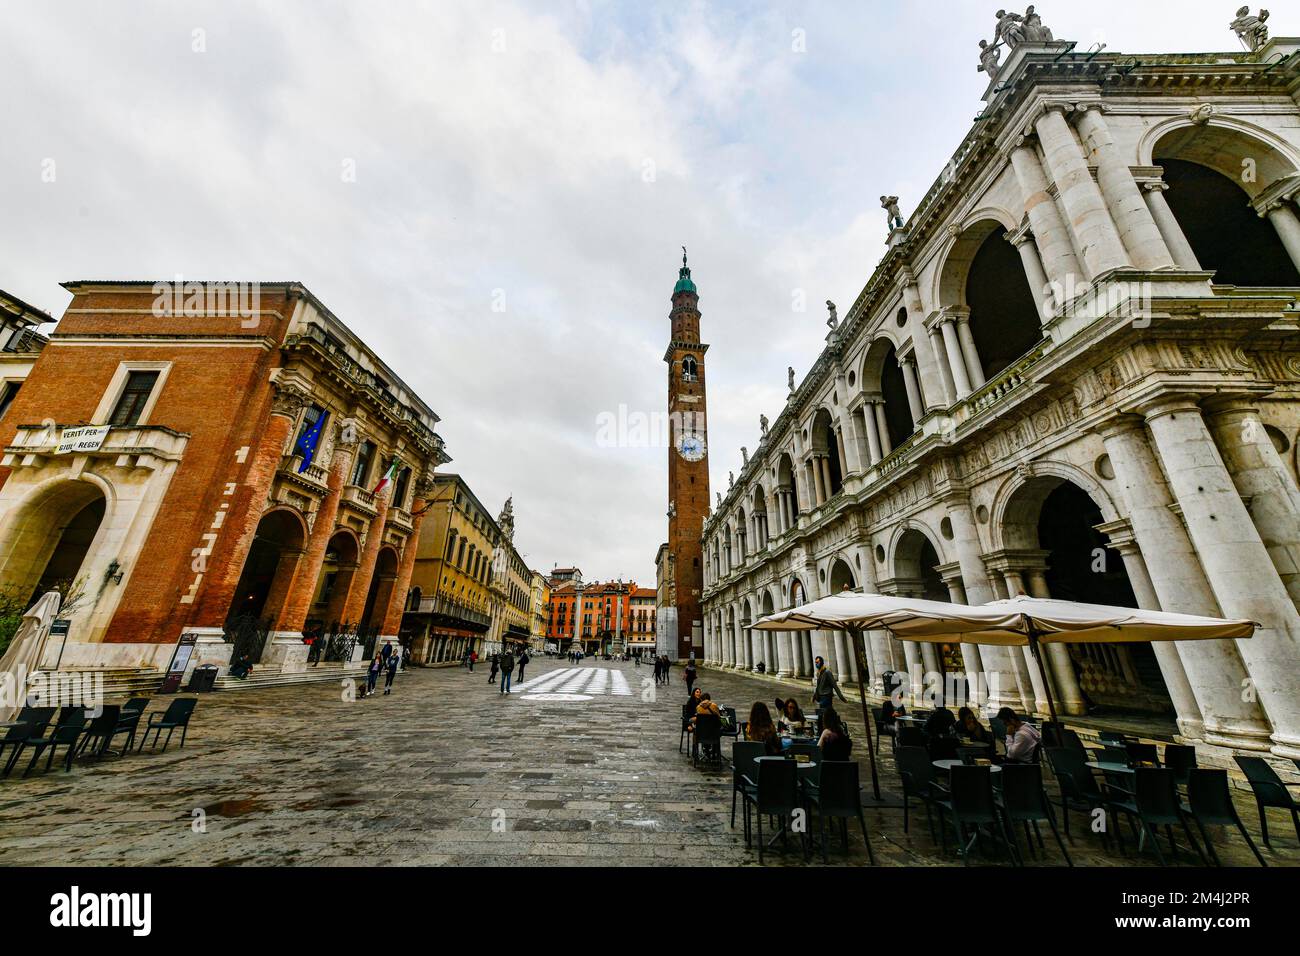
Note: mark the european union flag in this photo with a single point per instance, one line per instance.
(308, 441)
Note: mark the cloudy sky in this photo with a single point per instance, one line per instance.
(525, 175)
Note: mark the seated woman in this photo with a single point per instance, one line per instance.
(889, 711)
(792, 720)
(706, 706)
(834, 741)
(968, 726)
(760, 729)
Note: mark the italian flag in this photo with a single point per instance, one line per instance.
(389, 475)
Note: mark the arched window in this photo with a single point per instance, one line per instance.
(451, 545)
(690, 370)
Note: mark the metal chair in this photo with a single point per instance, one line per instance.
(1023, 800)
(1155, 804)
(1270, 791)
(918, 777)
(776, 794)
(1210, 801)
(743, 755)
(178, 714)
(971, 804)
(66, 733)
(1181, 760)
(1142, 754)
(1079, 790)
(838, 795)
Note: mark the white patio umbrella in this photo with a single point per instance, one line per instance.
(24, 654)
(1014, 622)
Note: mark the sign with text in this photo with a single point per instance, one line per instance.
(180, 660)
(82, 439)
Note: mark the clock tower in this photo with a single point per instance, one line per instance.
(688, 470)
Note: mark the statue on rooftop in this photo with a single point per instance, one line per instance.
(1033, 29)
(990, 55)
(1010, 29)
(789, 375)
(744, 456)
(763, 424)
(833, 320)
(890, 205)
(1252, 31)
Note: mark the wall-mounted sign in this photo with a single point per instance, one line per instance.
(82, 439)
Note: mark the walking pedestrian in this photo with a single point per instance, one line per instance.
(372, 676)
(473, 656)
(826, 687)
(507, 668)
(387, 651)
(523, 659)
(690, 674)
(393, 661)
(495, 659)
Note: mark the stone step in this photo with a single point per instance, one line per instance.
(265, 677)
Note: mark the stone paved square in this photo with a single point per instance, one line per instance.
(298, 776)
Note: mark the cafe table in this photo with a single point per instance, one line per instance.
(946, 765)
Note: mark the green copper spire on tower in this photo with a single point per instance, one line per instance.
(684, 283)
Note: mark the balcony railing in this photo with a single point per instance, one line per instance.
(142, 446)
(454, 611)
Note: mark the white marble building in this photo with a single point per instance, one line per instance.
(1075, 373)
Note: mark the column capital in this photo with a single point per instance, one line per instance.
(1018, 237)
(1277, 195)
(287, 399)
(1163, 406)
(954, 313)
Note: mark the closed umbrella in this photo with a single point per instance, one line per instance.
(24, 654)
(1013, 622)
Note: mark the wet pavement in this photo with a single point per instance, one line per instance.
(579, 766)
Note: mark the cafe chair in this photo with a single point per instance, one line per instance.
(1181, 760)
(1154, 803)
(1270, 791)
(1142, 754)
(1210, 801)
(708, 741)
(883, 729)
(918, 777)
(776, 794)
(743, 772)
(66, 733)
(1079, 789)
(1024, 800)
(971, 804)
(177, 715)
(838, 795)
(100, 730)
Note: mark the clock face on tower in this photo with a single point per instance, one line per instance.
(691, 447)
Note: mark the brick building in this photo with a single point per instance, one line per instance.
(688, 469)
(226, 484)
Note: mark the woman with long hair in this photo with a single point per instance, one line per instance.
(834, 741)
(760, 729)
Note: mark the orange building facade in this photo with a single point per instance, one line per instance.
(223, 482)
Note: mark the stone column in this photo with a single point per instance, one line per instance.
(826, 477)
(873, 431)
(1038, 283)
(956, 360)
(974, 367)
(1052, 239)
(1237, 564)
(1095, 235)
(322, 529)
(360, 590)
(1284, 220)
(1187, 710)
(1065, 682)
(1261, 477)
(397, 603)
(939, 348)
(914, 403)
(1003, 685)
(819, 494)
(784, 655)
(1170, 229)
(1137, 227)
(1214, 668)
(1015, 585)
(246, 504)
(927, 361)
(882, 426)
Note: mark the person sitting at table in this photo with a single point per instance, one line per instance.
(834, 742)
(940, 722)
(760, 729)
(968, 726)
(1022, 740)
(889, 711)
(690, 707)
(792, 720)
(706, 706)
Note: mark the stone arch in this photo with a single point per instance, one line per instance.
(1043, 476)
(948, 286)
(742, 535)
(785, 478)
(1213, 174)
(1052, 548)
(915, 557)
(795, 592)
(55, 536)
(840, 573)
(271, 564)
(382, 582)
(825, 444)
(883, 377)
(342, 555)
(1221, 144)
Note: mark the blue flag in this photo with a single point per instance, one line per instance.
(308, 441)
